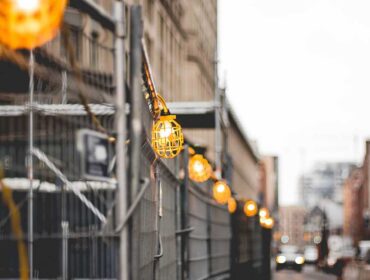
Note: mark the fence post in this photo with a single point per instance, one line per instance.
(122, 193)
(136, 127)
(184, 217)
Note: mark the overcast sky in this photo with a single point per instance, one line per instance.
(298, 75)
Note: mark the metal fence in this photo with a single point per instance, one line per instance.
(70, 217)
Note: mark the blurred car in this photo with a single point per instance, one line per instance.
(311, 254)
(289, 257)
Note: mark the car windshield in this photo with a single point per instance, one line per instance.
(289, 249)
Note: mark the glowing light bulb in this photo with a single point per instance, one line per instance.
(232, 205)
(165, 130)
(221, 192)
(250, 208)
(28, 6)
(268, 223)
(264, 212)
(198, 166)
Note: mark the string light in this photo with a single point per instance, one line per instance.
(26, 24)
(267, 223)
(250, 208)
(167, 136)
(199, 168)
(232, 205)
(264, 212)
(221, 192)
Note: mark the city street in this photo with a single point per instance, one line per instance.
(308, 273)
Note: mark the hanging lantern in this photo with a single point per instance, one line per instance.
(167, 136)
(267, 223)
(199, 168)
(221, 192)
(264, 212)
(250, 208)
(26, 24)
(232, 205)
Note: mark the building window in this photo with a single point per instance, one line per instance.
(94, 49)
(74, 42)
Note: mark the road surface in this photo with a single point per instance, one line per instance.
(308, 273)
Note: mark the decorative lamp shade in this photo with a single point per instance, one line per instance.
(250, 208)
(221, 192)
(26, 24)
(199, 169)
(264, 212)
(267, 223)
(167, 137)
(232, 205)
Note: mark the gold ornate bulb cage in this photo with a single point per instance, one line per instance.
(167, 136)
(250, 208)
(199, 168)
(26, 24)
(221, 192)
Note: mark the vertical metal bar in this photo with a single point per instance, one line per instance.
(30, 165)
(218, 132)
(136, 126)
(122, 194)
(184, 216)
(65, 231)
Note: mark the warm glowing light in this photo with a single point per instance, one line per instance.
(221, 192)
(26, 24)
(267, 223)
(264, 212)
(250, 208)
(28, 6)
(232, 205)
(167, 137)
(199, 169)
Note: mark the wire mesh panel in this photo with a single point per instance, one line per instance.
(199, 237)
(144, 224)
(220, 235)
(167, 263)
(73, 215)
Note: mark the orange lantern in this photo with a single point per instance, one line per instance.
(264, 212)
(250, 208)
(199, 169)
(232, 205)
(26, 24)
(221, 192)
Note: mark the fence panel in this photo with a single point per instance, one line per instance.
(220, 235)
(198, 238)
(70, 240)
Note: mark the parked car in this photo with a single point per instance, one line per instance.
(311, 254)
(289, 257)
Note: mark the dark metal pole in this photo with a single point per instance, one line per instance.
(184, 216)
(136, 126)
(30, 164)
